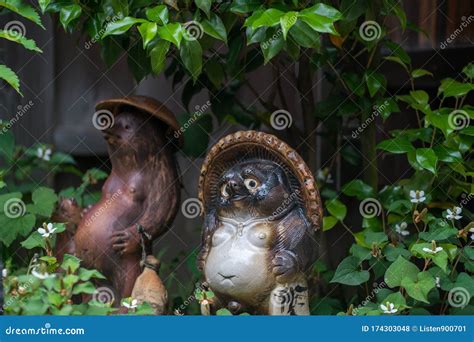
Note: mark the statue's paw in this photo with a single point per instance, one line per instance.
(285, 266)
(126, 241)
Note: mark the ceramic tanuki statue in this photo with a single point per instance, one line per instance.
(142, 188)
(262, 209)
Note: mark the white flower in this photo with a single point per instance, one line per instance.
(44, 154)
(47, 230)
(132, 305)
(4, 273)
(41, 275)
(417, 196)
(472, 236)
(454, 214)
(402, 229)
(388, 308)
(432, 251)
(324, 176)
(437, 282)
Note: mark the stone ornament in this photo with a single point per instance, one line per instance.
(261, 210)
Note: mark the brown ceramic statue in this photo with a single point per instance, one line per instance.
(142, 188)
(262, 208)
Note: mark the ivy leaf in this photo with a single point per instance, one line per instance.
(214, 27)
(158, 56)
(172, 32)
(158, 14)
(418, 289)
(398, 270)
(44, 200)
(268, 18)
(337, 209)
(204, 5)
(287, 21)
(358, 189)
(148, 31)
(18, 38)
(427, 159)
(121, 26)
(191, 55)
(33, 241)
(70, 263)
(329, 222)
(68, 14)
(348, 272)
(9, 76)
(396, 146)
(22, 9)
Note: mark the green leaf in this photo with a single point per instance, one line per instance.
(18, 38)
(191, 55)
(158, 14)
(418, 289)
(427, 159)
(148, 31)
(121, 26)
(348, 272)
(33, 241)
(87, 287)
(195, 129)
(223, 312)
(304, 35)
(70, 263)
(86, 275)
(214, 27)
(375, 82)
(329, 222)
(22, 9)
(337, 209)
(440, 258)
(270, 17)
(68, 14)
(397, 60)
(204, 5)
(397, 299)
(158, 56)
(439, 232)
(398, 270)
(272, 46)
(287, 21)
(358, 189)
(375, 238)
(172, 32)
(12, 228)
(468, 70)
(9, 76)
(420, 73)
(44, 200)
(396, 146)
(245, 6)
(420, 96)
(325, 11)
(318, 23)
(450, 87)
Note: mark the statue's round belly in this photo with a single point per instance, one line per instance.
(238, 269)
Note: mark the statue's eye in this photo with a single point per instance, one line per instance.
(224, 192)
(251, 183)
